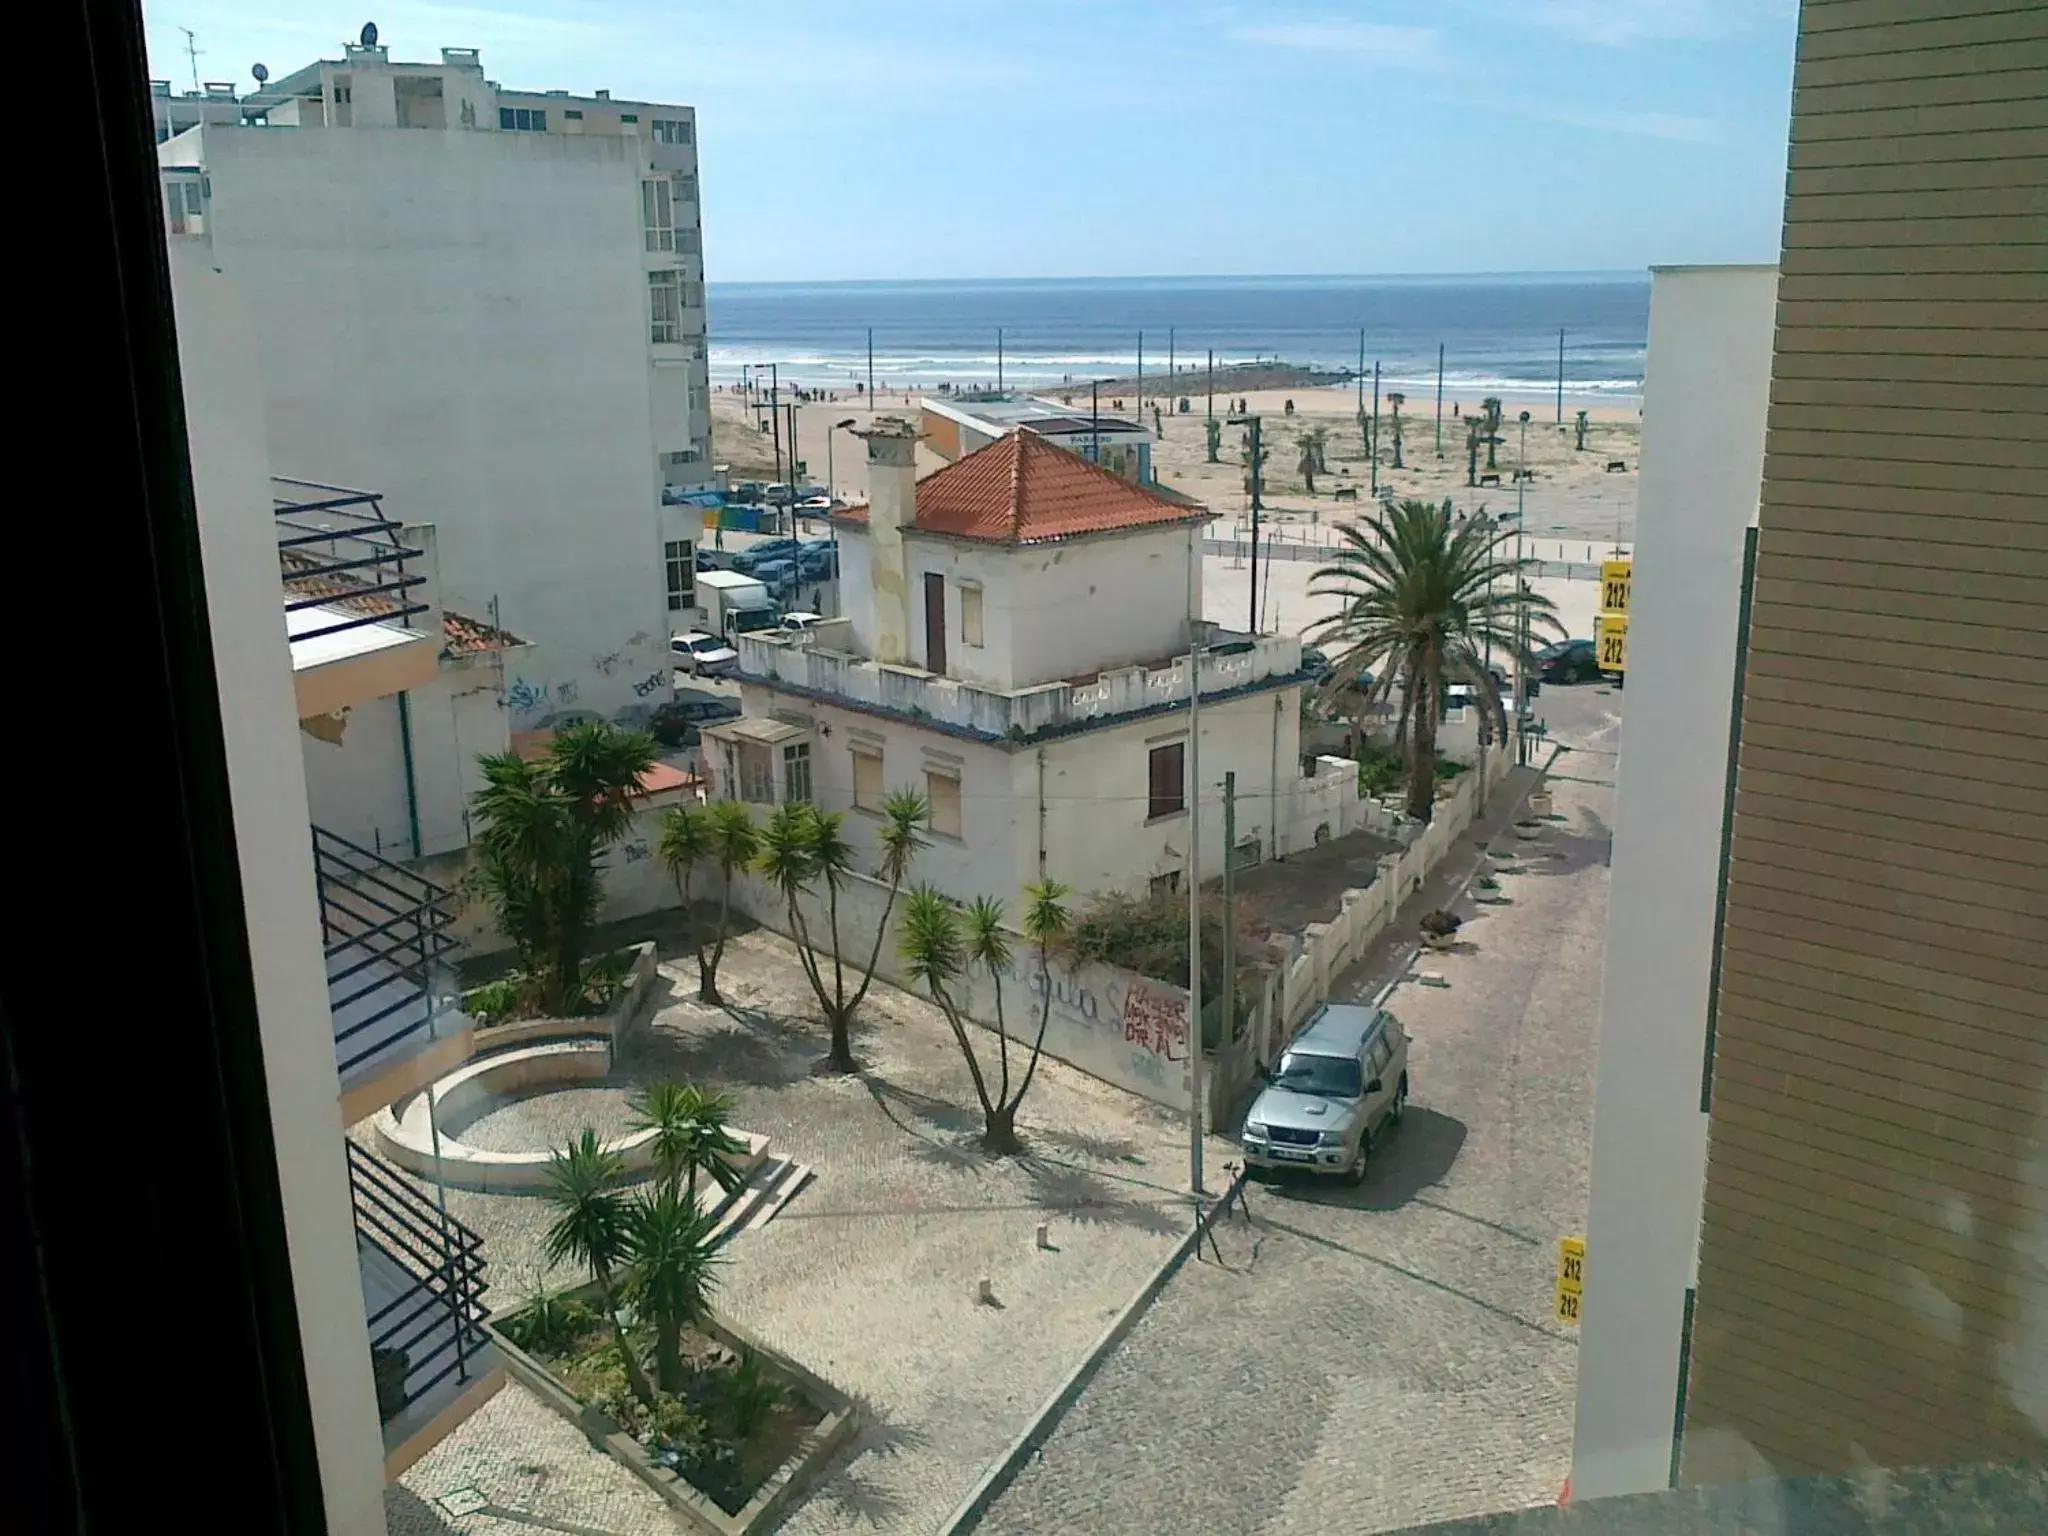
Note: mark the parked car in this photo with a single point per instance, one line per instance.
(561, 720)
(816, 505)
(1340, 1086)
(1315, 662)
(1568, 661)
(777, 575)
(679, 722)
(748, 562)
(801, 620)
(818, 564)
(703, 655)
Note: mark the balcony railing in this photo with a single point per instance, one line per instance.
(338, 553)
(423, 1286)
(1232, 661)
(385, 931)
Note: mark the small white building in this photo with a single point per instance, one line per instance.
(1015, 648)
(955, 428)
(489, 304)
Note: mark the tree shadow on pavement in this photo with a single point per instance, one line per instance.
(1417, 1156)
(753, 1047)
(1084, 1197)
(1567, 852)
(858, 1492)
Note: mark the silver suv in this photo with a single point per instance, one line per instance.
(1341, 1084)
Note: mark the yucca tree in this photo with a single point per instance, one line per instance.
(941, 943)
(1312, 443)
(691, 1136)
(671, 1274)
(804, 852)
(722, 833)
(1394, 403)
(1422, 603)
(594, 1227)
(543, 826)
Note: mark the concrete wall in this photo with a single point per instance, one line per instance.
(356, 786)
(460, 320)
(218, 344)
(1705, 398)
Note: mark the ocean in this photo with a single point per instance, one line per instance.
(1499, 333)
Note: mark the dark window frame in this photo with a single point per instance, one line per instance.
(1160, 801)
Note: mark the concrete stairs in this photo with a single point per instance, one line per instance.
(774, 1184)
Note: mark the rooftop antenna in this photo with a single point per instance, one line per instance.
(369, 34)
(192, 52)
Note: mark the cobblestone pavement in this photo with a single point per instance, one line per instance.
(867, 1276)
(1375, 1359)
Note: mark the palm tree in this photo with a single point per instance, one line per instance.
(544, 825)
(941, 942)
(723, 833)
(691, 1136)
(1212, 433)
(1423, 600)
(1394, 403)
(672, 1274)
(594, 1228)
(1311, 462)
(802, 848)
(1491, 405)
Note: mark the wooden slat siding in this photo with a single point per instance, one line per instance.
(1881, 1046)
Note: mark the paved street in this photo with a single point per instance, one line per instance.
(1374, 1359)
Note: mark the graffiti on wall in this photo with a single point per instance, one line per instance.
(525, 698)
(636, 850)
(1143, 1028)
(648, 685)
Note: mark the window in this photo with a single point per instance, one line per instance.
(574, 114)
(867, 778)
(689, 242)
(629, 117)
(686, 188)
(1167, 794)
(523, 119)
(693, 295)
(658, 214)
(671, 130)
(757, 774)
(664, 291)
(970, 612)
(943, 790)
(679, 558)
(684, 456)
(796, 771)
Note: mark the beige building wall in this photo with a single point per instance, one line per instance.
(1873, 1273)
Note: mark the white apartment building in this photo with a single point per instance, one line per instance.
(348, 949)
(489, 305)
(1705, 398)
(1015, 647)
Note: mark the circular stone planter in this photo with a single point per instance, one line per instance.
(405, 1135)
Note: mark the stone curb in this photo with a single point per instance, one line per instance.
(1005, 1467)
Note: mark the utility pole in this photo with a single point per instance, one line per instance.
(775, 417)
(1227, 1032)
(1194, 783)
(1212, 382)
(1173, 384)
(1375, 424)
(999, 359)
(1560, 375)
(792, 464)
(1439, 399)
(1141, 378)
(871, 368)
(1255, 455)
(1521, 601)
(1094, 422)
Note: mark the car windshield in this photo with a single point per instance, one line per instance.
(1332, 1076)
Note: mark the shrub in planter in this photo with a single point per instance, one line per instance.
(493, 1002)
(1439, 927)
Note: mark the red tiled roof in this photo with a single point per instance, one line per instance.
(1021, 489)
(460, 635)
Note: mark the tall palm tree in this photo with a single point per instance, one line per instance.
(544, 825)
(1424, 600)
(803, 849)
(722, 833)
(594, 1228)
(941, 942)
(1311, 463)
(671, 1275)
(691, 1136)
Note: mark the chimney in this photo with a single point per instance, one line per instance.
(892, 507)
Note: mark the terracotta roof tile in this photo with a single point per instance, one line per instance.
(460, 635)
(1021, 489)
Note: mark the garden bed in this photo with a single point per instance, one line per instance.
(729, 1452)
(622, 986)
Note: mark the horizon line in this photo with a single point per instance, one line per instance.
(1197, 277)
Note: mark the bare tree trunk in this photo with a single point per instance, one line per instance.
(1422, 750)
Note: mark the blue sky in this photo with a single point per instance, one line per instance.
(1025, 138)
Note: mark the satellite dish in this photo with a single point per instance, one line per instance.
(369, 34)
(260, 71)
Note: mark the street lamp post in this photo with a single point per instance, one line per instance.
(1521, 600)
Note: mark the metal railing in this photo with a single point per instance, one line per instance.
(385, 931)
(338, 552)
(437, 1320)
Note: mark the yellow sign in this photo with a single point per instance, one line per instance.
(1571, 1277)
(1615, 577)
(1610, 640)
